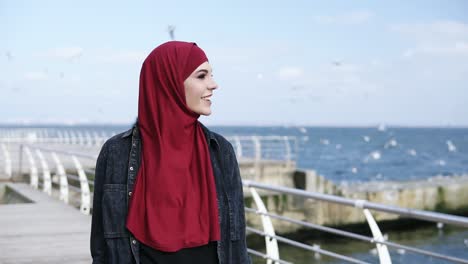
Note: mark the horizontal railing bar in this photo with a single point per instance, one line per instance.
(265, 256)
(314, 226)
(92, 138)
(73, 177)
(89, 171)
(63, 152)
(74, 188)
(357, 236)
(306, 247)
(260, 137)
(412, 213)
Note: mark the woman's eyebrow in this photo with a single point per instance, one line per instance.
(202, 70)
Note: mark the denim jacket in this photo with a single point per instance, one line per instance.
(116, 171)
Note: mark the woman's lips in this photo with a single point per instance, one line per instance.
(207, 98)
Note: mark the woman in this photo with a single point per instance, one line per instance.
(169, 190)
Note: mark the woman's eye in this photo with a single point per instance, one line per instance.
(202, 76)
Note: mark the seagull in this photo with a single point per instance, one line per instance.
(376, 155)
(171, 29)
(391, 143)
(451, 146)
(401, 251)
(382, 127)
(337, 63)
(9, 56)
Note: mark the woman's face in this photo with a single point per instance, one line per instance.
(199, 87)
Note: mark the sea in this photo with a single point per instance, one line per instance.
(373, 153)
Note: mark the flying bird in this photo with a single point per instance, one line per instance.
(171, 29)
(337, 63)
(9, 56)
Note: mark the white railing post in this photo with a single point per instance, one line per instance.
(85, 193)
(62, 178)
(258, 148)
(59, 137)
(7, 157)
(258, 157)
(33, 174)
(270, 242)
(238, 147)
(287, 145)
(88, 138)
(382, 249)
(68, 137)
(81, 139)
(73, 137)
(96, 138)
(45, 173)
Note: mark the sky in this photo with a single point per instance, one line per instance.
(304, 63)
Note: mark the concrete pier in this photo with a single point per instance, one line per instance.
(441, 194)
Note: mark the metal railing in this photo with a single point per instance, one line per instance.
(265, 147)
(72, 136)
(62, 178)
(256, 148)
(377, 239)
(47, 177)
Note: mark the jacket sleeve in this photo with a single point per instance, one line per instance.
(244, 256)
(98, 251)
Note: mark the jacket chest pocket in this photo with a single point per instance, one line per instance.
(114, 210)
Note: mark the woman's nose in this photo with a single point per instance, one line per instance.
(213, 85)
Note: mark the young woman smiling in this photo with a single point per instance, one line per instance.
(168, 190)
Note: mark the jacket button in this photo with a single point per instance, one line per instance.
(129, 193)
(131, 168)
(134, 242)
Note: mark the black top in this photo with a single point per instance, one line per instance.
(206, 254)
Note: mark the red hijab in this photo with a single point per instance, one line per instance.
(174, 202)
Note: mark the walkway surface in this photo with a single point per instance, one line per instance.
(44, 231)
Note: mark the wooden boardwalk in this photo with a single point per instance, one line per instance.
(45, 231)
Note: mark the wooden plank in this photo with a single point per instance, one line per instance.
(46, 231)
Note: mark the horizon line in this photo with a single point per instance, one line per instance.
(373, 125)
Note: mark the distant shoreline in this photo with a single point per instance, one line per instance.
(49, 125)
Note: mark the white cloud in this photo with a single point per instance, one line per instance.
(126, 57)
(67, 53)
(36, 76)
(352, 18)
(457, 49)
(441, 38)
(330, 81)
(290, 73)
(438, 30)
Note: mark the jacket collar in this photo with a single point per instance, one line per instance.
(208, 134)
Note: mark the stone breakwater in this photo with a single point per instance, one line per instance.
(439, 193)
